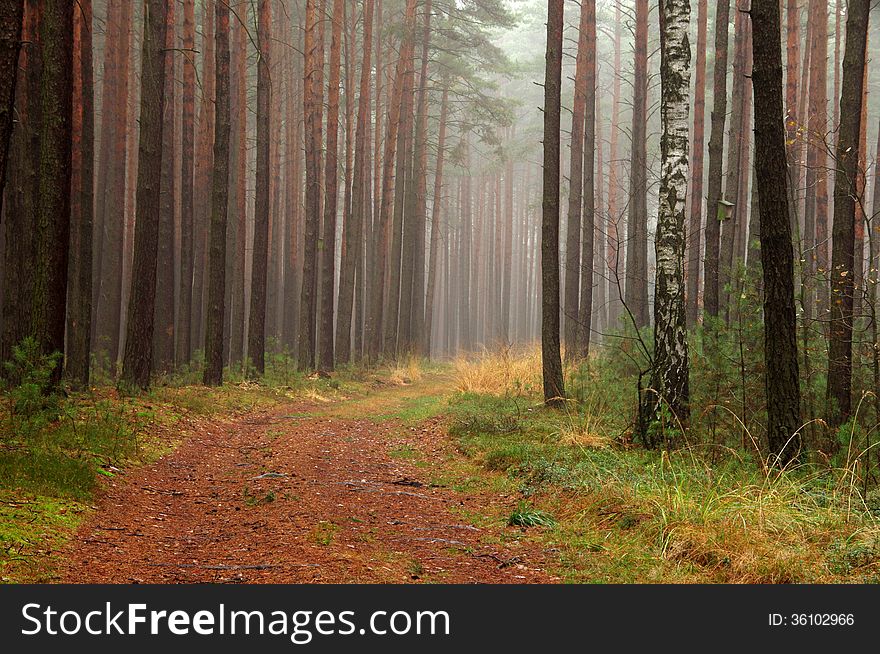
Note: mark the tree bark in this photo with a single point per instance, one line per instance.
(585, 317)
(79, 294)
(183, 347)
(575, 194)
(53, 201)
(313, 112)
(554, 387)
(636, 294)
(435, 227)
(328, 245)
(11, 16)
(716, 156)
(695, 227)
(777, 257)
(353, 229)
(256, 351)
(669, 390)
(839, 389)
(213, 373)
(163, 332)
(137, 359)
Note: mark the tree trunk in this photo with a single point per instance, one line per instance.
(777, 257)
(729, 263)
(204, 167)
(328, 245)
(697, 149)
(716, 156)
(353, 229)
(11, 15)
(839, 389)
(585, 317)
(435, 226)
(575, 193)
(213, 374)
(415, 284)
(163, 332)
(669, 390)
(256, 351)
(111, 184)
(636, 296)
(137, 360)
(183, 349)
(554, 388)
(615, 292)
(53, 200)
(313, 111)
(79, 293)
(20, 210)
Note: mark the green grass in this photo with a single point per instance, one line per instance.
(620, 514)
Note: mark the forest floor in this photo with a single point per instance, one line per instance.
(306, 492)
(411, 473)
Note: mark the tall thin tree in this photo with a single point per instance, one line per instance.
(554, 385)
(213, 373)
(846, 195)
(137, 360)
(669, 390)
(777, 256)
(256, 351)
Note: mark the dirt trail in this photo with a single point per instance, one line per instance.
(302, 494)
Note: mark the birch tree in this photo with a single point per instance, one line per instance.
(667, 396)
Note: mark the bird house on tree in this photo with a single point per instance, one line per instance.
(725, 208)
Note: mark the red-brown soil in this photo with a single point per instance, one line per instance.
(287, 497)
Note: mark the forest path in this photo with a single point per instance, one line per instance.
(306, 493)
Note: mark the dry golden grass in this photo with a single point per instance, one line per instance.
(406, 370)
(506, 371)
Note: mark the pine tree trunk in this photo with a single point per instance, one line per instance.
(137, 360)
(415, 284)
(780, 326)
(79, 294)
(695, 227)
(183, 348)
(236, 237)
(729, 263)
(11, 16)
(256, 351)
(53, 200)
(554, 388)
(213, 374)
(668, 396)
(615, 283)
(313, 112)
(716, 156)
(585, 317)
(111, 182)
(328, 245)
(353, 229)
(204, 166)
(636, 296)
(575, 194)
(435, 228)
(163, 332)
(842, 272)
(382, 236)
(20, 210)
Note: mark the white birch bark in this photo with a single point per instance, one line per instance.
(667, 397)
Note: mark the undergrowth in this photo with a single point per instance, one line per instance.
(708, 511)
